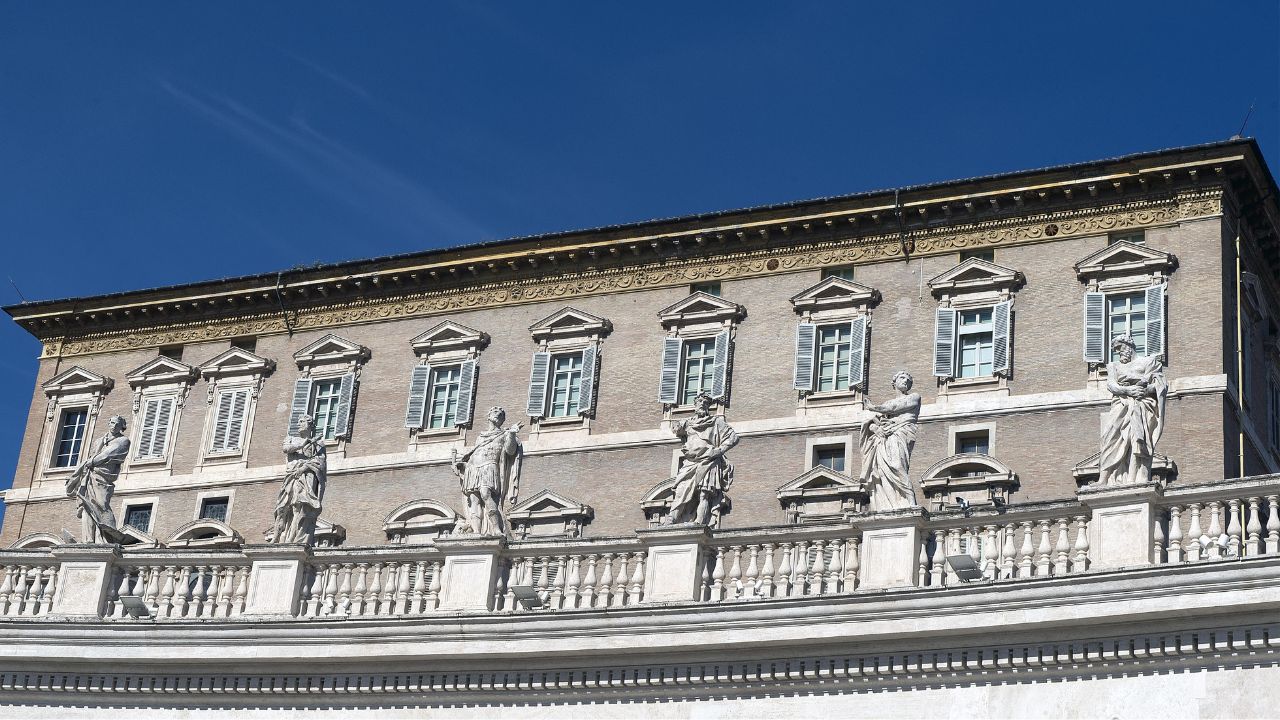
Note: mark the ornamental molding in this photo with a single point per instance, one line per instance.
(835, 293)
(1124, 258)
(749, 261)
(570, 322)
(975, 275)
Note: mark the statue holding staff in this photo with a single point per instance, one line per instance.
(94, 481)
(488, 472)
(705, 475)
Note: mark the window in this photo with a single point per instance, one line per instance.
(831, 457)
(974, 343)
(710, 288)
(834, 351)
(1137, 237)
(445, 384)
(248, 344)
(70, 437)
(974, 442)
(173, 352)
(566, 385)
(844, 273)
(324, 406)
(1127, 315)
(228, 426)
(698, 369)
(153, 431)
(987, 255)
(214, 509)
(138, 517)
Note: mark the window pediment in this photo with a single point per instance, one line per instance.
(549, 513)
(449, 335)
(331, 350)
(835, 293)
(967, 465)
(701, 307)
(975, 275)
(77, 380)
(570, 322)
(205, 533)
(657, 502)
(1125, 258)
(329, 534)
(821, 494)
(161, 371)
(426, 518)
(1087, 471)
(236, 361)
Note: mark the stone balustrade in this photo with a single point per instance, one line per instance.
(1024, 541)
(1214, 521)
(211, 584)
(568, 575)
(757, 564)
(29, 583)
(403, 581)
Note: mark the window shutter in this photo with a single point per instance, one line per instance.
(1155, 320)
(160, 433)
(724, 362)
(670, 383)
(857, 352)
(944, 342)
(1001, 331)
(301, 400)
(1095, 327)
(590, 379)
(346, 402)
(466, 392)
(238, 409)
(417, 396)
(537, 405)
(147, 431)
(806, 336)
(220, 420)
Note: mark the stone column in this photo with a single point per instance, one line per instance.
(890, 548)
(1121, 533)
(674, 568)
(84, 578)
(470, 572)
(275, 579)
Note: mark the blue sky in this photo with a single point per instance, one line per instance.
(152, 143)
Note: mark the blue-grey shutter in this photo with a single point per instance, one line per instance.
(806, 338)
(1095, 327)
(346, 402)
(670, 382)
(301, 401)
(1001, 331)
(537, 405)
(857, 351)
(221, 421)
(466, 392)
(236, 415)
(724, 363)
(147, 428)
(944, 342)
(590, 379)
(160, 429)
(1155, 320)
(417, 396)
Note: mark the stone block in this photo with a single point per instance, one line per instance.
(674, 566)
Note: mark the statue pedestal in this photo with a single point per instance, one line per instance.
(890, 548)
(275, 579)
(84, 579)
(470, 571)
(1121, 531)
(674, 564)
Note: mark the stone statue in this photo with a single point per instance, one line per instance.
(887, 441)
(705, 475)
(298, 505)
(488, 472)
(93, 483)
(1133, 425)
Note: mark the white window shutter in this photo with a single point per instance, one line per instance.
(1001, 332)
(670, 382)
(346, 403)
(417, 396)
(806, 337)
(220, 421)
(301, 402)
(857, 351)
(238, 409)
(590, 380)
(944, 342)
(537, 405)
(466, 392)
(1095, 327)
(147, 429)
(1155, 320)
(723, 365)
(160, 433)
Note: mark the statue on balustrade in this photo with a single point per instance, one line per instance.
(305, 475)
(1133, 425)
(93, 483)
(887, 441)
(488, 472)
(702, 483)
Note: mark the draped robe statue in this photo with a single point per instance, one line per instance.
(887, 441)
(488, 472)
(93, 483)
(301, 493)
(705, 476)
(1133, 425)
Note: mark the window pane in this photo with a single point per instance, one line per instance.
(833, 357)
(324, 406)
(138, 517)
(988, 255)
(845, 273)
(566, 385)
(214, 509)
(830, 457)
(698, 369)
(710, 288)
(1127, 314)
(70, 437)
(444, 396)
(974, 443)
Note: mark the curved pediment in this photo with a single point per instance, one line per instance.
(36, 541)
(449, 335)
(569, 322)
(701, 307)
(161, 370)
(423, 518)
(77, 380)
(236, 361)
(331, 349)
(205, 533)
(1125, 258)
(835, 292)
(975, 275)
(966, 464)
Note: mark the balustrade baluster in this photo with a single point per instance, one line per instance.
(717, 576)
(209, 607)
(562, 582)
(938, 560)
(153, 587)
(164, 602)
(34, 594)
(1234, 531)
(835, 568)
(784, 571)
(1173, 544)
(852, 562)
(1080, 562)
(183, 589)
(573, 582)
(373, 596)
(433, 590)
(624, 574)
(705, 576)
(50, 587)
(345, 588)
(800, 568)
(637, 578)
(1062, 551)
(1194, 549)
(241, 591)
(1157, 537)
(361, 587)
(818, 570)
(1215, 529)
(955, 536)
(1044, 550)
(419, 592)
(1027, 550)
(606, 580)
(733, 588)
(6, 590)
(588, 592)
(402, 606)
(923, 562)
(19, 604)
(200, 598)
(1254, 528)
(991, 552)
(1273, 524)
(764, 583)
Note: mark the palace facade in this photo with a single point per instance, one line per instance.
(1001, 296)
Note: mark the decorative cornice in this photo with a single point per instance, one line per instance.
(739, 261)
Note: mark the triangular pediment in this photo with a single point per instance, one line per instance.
(701, 307)
(236, 361)
(835, 292)
(449, 335)
(331, 349)
(820, 478)
(161, 369)
(77, 379)
(973, 275)
(1124, 257)
(569, 321)
(547, 502)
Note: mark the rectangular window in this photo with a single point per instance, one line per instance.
(566, 385)
(214, 509)
(834, 350)
(324, 406)
(153, 433)
(845, 273)
(698, 369)
(974, 343)
(831, 457)
(443, 410)
(974, 442)
(173, 352)
(138, 517)
(1137, 237)
(710, 288)
(71, 426)
(1127, 315)
(988, 255)
(248, 344)
(228, 426)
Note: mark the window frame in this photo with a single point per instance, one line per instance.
(433, 382)
(84, 439)
(248, 372)
(448, 344)
(127, 504)
(975, 330)
(228, 494)
(571, 390)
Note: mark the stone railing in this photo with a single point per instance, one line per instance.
(174, 584)
(29, 583)
(402, 580)
(774, 562)
(1018, 542)
(1213, 521)
(571, 574)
